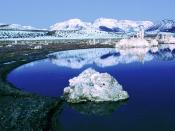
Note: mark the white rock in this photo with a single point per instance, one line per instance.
(135, 42)
(93, 86)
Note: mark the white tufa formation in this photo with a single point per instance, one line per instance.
(93, 86)
(136, 42)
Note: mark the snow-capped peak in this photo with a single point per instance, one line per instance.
(167, 24)
(124, 25)
(163, 26)
(110, 23)
(72, 24)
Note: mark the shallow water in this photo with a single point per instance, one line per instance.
(147, 74)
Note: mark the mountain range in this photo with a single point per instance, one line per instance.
(103, 24)
(77, 27)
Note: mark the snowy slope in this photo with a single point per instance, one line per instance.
(72, 24)
(163, 26)
(100, 28)
(11, 31)
(78, 29)
(102, 24)
(125, 25)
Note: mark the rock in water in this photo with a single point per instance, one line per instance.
(93, 86)
(135, 42)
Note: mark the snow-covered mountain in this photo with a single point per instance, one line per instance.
(10, 31)
(163, 26)
(72, 24)
(120, 25)
(102, 24)
(78, 29)
(100, 28)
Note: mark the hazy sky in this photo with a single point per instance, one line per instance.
(43, 13)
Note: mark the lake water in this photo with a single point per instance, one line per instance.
(147, 74)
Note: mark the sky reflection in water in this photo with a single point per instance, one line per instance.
(146, 73)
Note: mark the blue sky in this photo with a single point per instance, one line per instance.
(43, 13)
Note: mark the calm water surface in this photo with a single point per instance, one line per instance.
(148, 74)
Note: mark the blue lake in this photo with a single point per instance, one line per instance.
(147, 74)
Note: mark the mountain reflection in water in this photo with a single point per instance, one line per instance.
(105, 57)
(52, 74)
